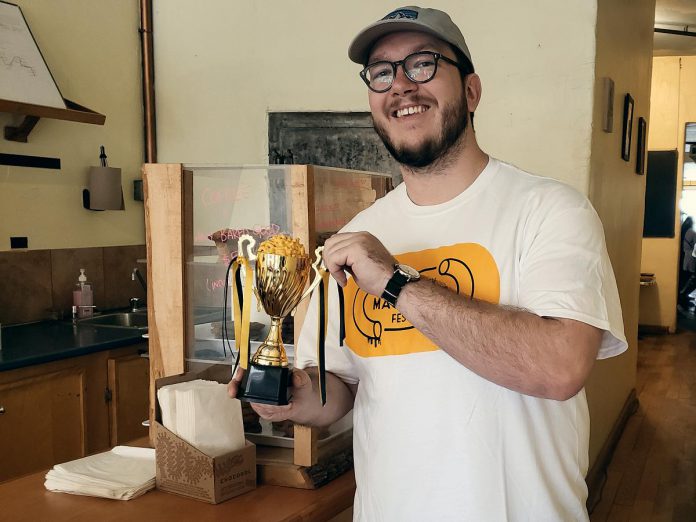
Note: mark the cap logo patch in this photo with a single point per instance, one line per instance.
(399, 14)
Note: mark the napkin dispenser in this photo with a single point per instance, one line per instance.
(185, 470)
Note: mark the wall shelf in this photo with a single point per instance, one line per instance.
(32, 113)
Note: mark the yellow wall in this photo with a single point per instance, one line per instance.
(624, 54)
(673, 104)
(218, 76)
(92, 48)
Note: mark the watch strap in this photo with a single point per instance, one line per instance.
(394, 286)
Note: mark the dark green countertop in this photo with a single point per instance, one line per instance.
(46, 341)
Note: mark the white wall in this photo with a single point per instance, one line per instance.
(221, 66)
(92, 48)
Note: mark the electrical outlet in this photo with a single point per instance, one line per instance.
(19, 242)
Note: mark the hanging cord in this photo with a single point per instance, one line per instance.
(241, 302)
(341, 316)
(322, 329)
(225, 335)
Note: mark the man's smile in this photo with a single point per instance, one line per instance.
(409, 111)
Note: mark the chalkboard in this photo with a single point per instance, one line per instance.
(331, 139)
(660, 194)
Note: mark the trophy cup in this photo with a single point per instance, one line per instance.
(282, 271)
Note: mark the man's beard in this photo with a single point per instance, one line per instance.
(433, 149)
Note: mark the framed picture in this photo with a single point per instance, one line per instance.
(640, 152)
(608, 104)
(627, 128)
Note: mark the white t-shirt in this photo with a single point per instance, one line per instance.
(432, 439)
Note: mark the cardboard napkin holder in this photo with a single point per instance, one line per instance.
(184, 470)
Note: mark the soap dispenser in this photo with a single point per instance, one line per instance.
(82, 296)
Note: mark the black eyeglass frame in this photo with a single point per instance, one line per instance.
(394, 65)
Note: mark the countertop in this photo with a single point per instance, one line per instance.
(46, 341)
(26, 499)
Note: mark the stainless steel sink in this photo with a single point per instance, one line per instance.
(118, 319)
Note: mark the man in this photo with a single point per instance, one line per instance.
(465, 363)
(688, 264)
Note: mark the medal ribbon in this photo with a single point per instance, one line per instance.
(341, 316)
(321, 333)
(242, 308)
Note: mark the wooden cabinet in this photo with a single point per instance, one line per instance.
(63, 410)
(129, 380)
(42, 422)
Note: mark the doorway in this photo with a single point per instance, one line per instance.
(686, 313)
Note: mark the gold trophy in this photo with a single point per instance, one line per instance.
(282, 271)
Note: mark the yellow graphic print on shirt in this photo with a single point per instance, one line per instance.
(374, 328)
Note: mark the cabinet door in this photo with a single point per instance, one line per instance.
(42, 422)
(129, 381)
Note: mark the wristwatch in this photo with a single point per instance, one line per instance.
(402, 274)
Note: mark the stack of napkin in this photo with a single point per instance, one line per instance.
(201, 413)
(122, 473)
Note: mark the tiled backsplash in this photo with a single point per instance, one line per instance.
(38, 284)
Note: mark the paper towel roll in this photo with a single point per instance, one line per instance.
(105, 191)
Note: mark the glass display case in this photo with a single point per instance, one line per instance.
(310, 203)
(195, 215)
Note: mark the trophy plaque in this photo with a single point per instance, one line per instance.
(281, 272)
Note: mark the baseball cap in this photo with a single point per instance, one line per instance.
(409, 18)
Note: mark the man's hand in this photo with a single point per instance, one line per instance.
(302, 393)
(305, 406)
(363, 256)
(233, 385)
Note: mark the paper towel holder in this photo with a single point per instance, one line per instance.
(104, 189)
(85, 201)
(137, 195)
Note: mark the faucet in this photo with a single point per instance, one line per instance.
(136, 273)
(135, 302)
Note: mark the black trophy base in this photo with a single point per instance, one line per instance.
(265, 385)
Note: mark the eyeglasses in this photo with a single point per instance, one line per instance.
(419, 67)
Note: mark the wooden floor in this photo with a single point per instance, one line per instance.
(652, 475)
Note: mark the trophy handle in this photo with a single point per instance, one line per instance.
(251, 242)
(317, 271)
(246, 238)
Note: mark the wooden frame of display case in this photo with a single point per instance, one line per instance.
(168, 230)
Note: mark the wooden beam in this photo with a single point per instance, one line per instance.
(302, 219)
(165, 230)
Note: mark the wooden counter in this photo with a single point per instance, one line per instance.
(26, 499)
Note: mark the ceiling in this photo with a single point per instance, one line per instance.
(675, 14)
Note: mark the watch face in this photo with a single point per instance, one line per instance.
(410, 272)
